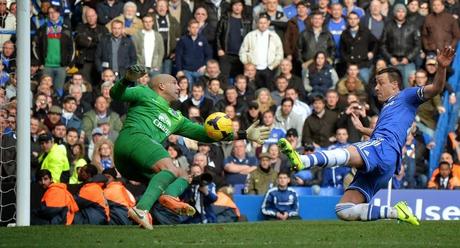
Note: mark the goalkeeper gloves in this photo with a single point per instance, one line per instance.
(135, 72)
(257, 134)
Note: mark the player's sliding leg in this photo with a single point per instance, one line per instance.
(167, 180)
(170, 197)
(349, 211)
(157, 184)
(328, 158)
(369, 212)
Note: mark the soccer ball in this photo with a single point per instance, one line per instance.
(218, 126)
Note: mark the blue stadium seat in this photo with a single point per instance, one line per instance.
(329, 191)
(238, 189)
(302, 190)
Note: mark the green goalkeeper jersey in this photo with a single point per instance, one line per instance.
(150, 114)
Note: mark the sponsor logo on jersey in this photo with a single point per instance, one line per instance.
(163, 123)
(165, 119)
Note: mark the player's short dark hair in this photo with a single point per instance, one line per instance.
(42, 173)
(393, 74)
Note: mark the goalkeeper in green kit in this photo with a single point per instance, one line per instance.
(139, 153)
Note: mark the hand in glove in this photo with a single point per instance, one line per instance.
(257, 134)
(135, 72)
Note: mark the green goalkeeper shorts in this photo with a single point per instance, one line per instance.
(135, 154)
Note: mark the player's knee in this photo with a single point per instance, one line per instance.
(178, 172)
(345, 211)
(167, 165)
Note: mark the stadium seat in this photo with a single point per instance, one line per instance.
(238, 189)
(302, 190)
(329, 191)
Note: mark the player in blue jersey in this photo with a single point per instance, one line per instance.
(379, 158)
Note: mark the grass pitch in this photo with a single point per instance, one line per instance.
(269, 234)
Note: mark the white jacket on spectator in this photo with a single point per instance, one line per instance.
(8, 30)
(275, 49)
(293, 120)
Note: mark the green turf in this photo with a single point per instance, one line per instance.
(272, 234)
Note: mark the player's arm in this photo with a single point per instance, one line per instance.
(444, 58)
(294, 208)
(193, 131)
(359, 125)
(119, 90)
(196, 132)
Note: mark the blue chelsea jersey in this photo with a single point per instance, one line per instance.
(397, 116)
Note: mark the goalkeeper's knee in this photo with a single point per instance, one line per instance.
(351, 212)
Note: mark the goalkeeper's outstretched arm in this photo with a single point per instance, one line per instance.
(196, 132)
(119, 90)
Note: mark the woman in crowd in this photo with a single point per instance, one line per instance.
(78, 152)
(320, 75)
(264, 100)
(183, 88)
(178, 159)
(103, 155)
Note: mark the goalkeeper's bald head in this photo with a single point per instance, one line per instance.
(156, 81)
(166, 86)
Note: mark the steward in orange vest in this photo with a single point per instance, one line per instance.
(57, 205)
(118, 198)
(94, 209)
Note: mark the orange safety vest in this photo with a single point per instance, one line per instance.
(57, 196)
(455, 172)
(93, 192)
(224, 200)
(117, 192)
(453, 182)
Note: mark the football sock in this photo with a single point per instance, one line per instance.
(382, 212)
(324, 159)
(177, 187)
(364, 212)
(157, 185)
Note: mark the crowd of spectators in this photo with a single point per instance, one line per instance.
(300, 67)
